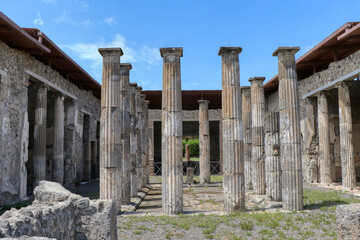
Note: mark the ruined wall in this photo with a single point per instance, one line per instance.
(14, 106)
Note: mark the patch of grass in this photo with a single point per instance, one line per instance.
(137, 232)
(267, 233)
(144, 228)
(247, 225)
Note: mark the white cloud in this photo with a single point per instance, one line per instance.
(38, 20)
(65, 18)
(111, 21)
(89, 52)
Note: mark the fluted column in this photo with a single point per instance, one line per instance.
(171, 147)
(272, 156)
(139, 129)
(144, 139)
(290, 136)
(147, 141)
(125, 129)
(246, 119)
(39, 158)
(233, 159)
(324, 139)
(110, 127)
(257, 134)
(58, 145)
(133, 140)
(204, 141)
(346, 138)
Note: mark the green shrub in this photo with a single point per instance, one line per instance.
(193, 147)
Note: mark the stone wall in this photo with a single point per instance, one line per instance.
(57, 213)
(14, 82)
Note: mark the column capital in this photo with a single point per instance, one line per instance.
(291, 50)
(125, 66)
(257, 79)
(139, 88)
(111, 54)
(322, 93)
(229, 50)
(343, 84)
(132, 84)
(143, 96)
(147, 102)
(41, 86)
(60, 95)
(203, 101)
(173, 51)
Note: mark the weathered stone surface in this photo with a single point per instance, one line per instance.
(147, 140)
(232, 139)
(133, 140)
(346, 137)
(190, 175)
(151, 146)
(348, 221)
(139, 139)
(125, 125)
(204, 141)
(290, 136)
(171, 156)
(57, 213)
(110, 128)
(29, 238)
(257, 134)
(272, 156)
(246, 119)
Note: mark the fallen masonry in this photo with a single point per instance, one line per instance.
(58, 213)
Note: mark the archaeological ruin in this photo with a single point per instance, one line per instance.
(58, 124)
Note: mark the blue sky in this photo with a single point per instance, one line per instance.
(79, 27)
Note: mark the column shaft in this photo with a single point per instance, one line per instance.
(143, 140)
(324, 139)
(233, 161)
(171, 147)
(151, 147)
(147, 141)
(257, 134)
(246, 119)
(39, 158)
(272, 156)
(290, 136)
(125, 129)
(346, 138)
(204, 141)
(110, 128)
(133, 140)
(139, 133)
(58, 145)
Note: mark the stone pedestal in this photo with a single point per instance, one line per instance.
(110, 127)
(346, 138)
(125, 129)
(204, 141)
(233, 159)
(171, 148)
(272, 156)
(246, 120)
(324, 139)
(257, 134)
(290, 136)
(39, 158)
(133, 140)
(58, 145)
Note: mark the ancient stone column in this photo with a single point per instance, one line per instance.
(272, 156)
(69, 146)
(346, 138)
(171, 147)
(125, 129)
(246, 119)
(324, 139)
(147, 141)
(139, 129)
(144, 139)
(187, 152)
(233, 159)
(110, 127)
(204, 141)
(39, 158)
(257, 134)
(133, 140)
(58, 145)
(290, 136)
(151, 147)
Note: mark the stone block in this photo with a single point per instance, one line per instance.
(348, 221)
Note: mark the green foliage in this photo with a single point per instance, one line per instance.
(193, 147)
